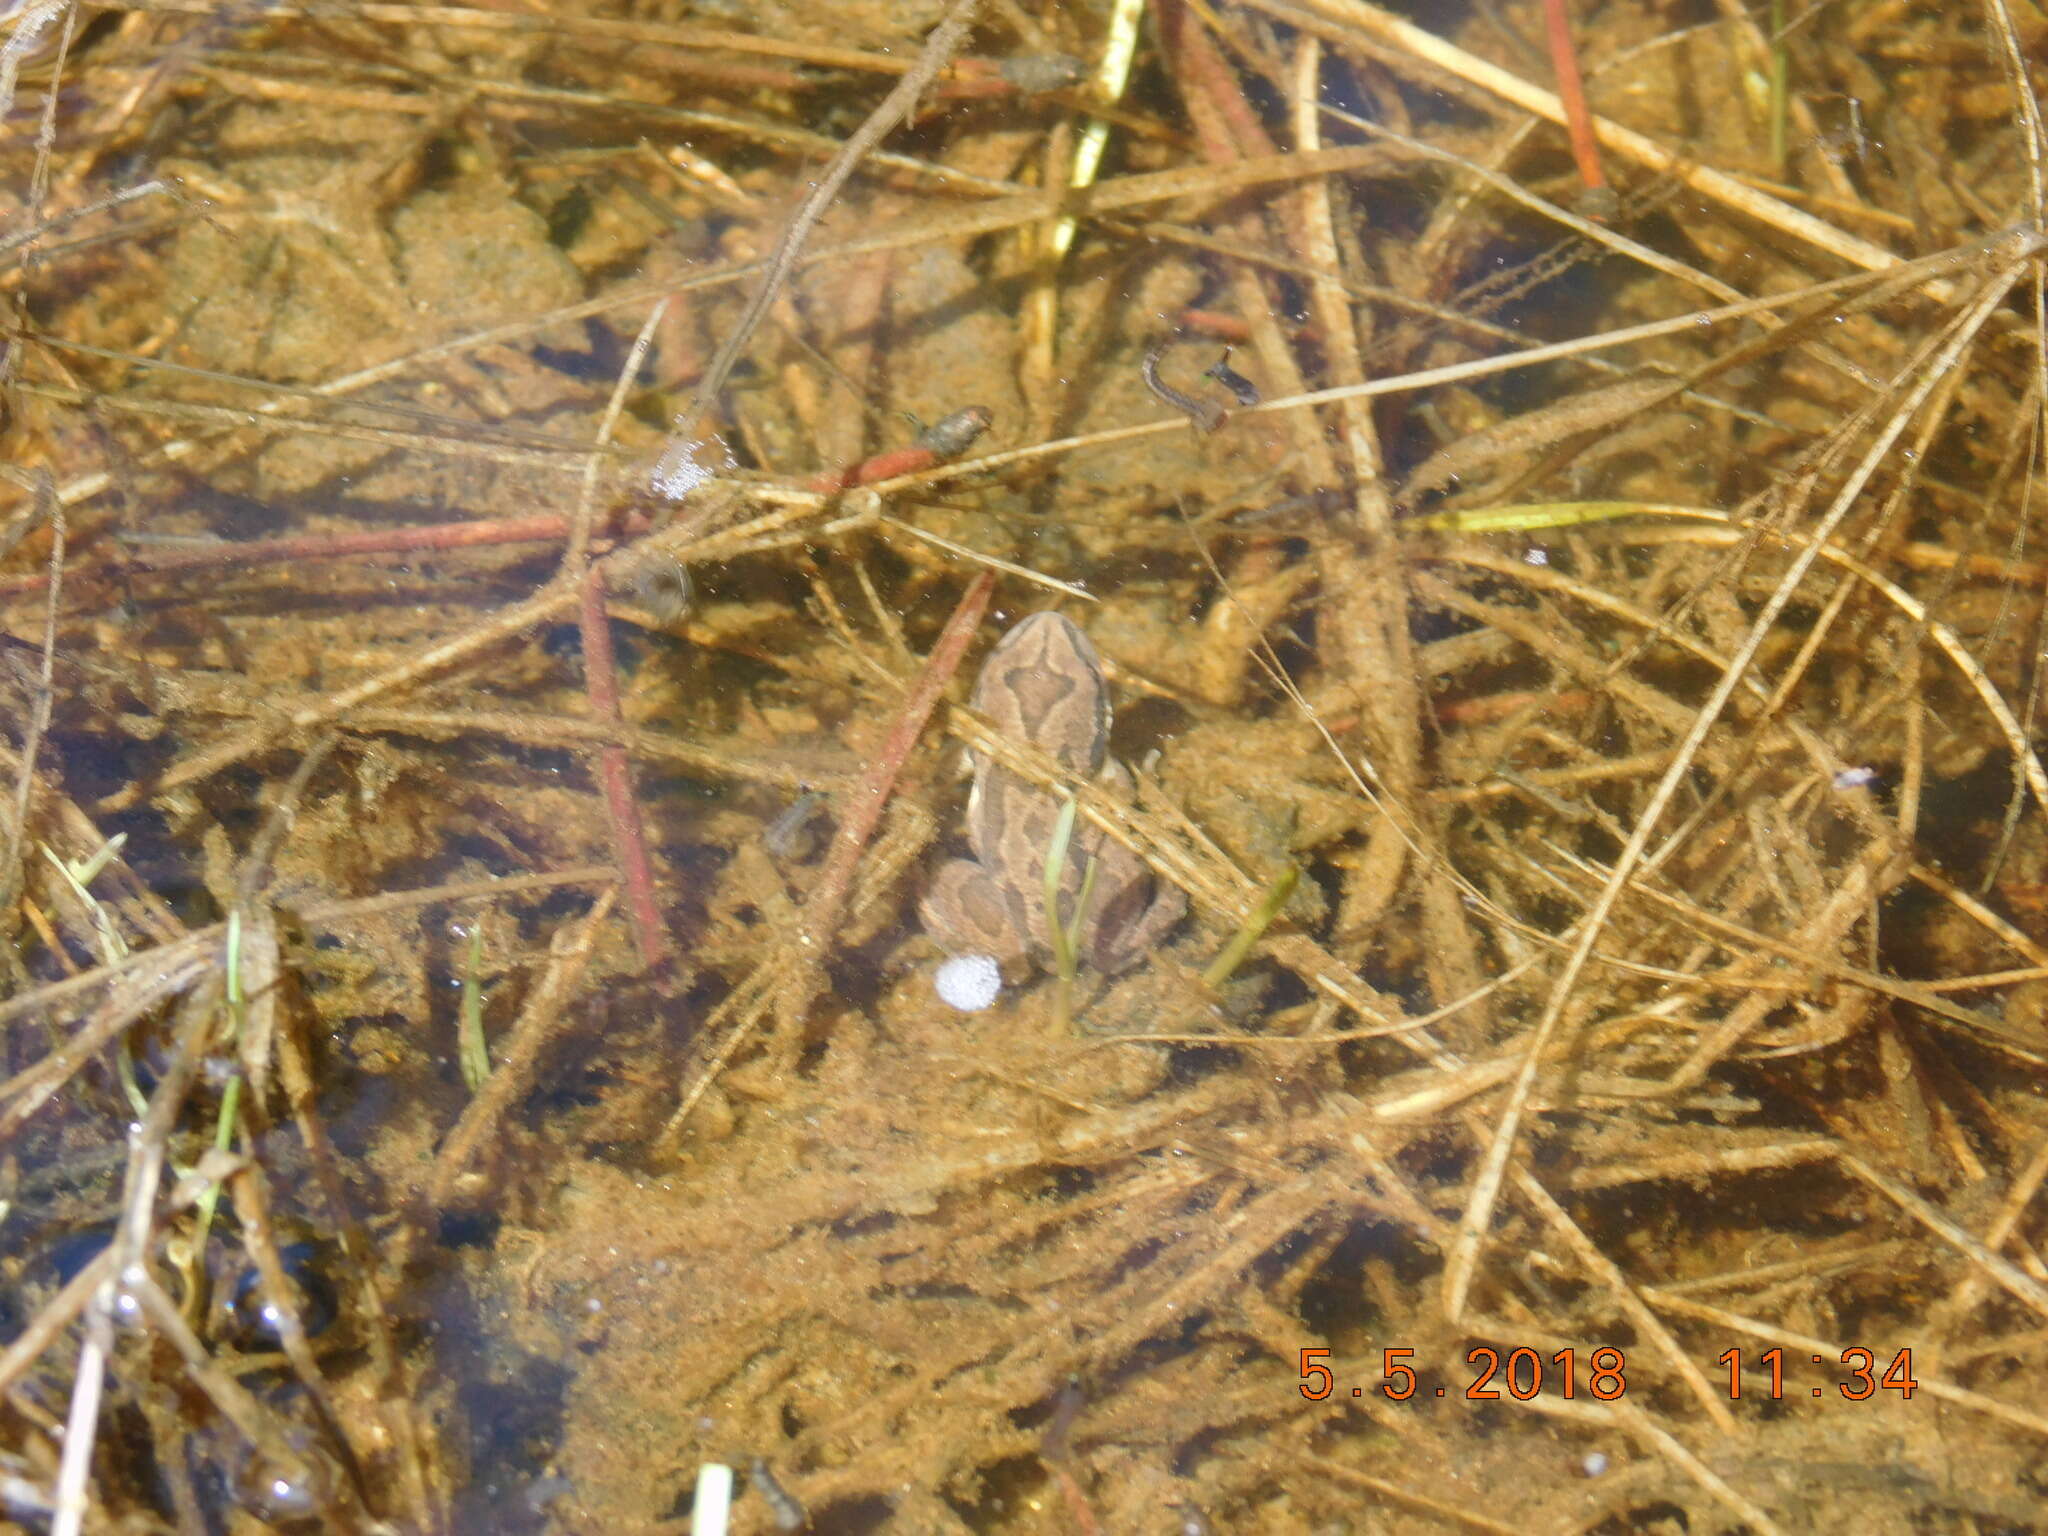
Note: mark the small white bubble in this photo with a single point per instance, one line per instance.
(1595, 1463)
(676, 474)
(1855, 778)
(686, 463)
(968, 982)
(1536, 556)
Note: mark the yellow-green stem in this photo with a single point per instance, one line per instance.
(1781, 88)
(1064, 935)
(1254, 928)
(472, 1052)
(231, 1099)
(223, 1139)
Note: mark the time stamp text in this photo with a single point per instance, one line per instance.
(1770, 1375)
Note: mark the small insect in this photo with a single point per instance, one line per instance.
(1207, 415)
(780, 837)
(1067, 1404)
(1034, 72)
(1242, 388)
(952, 435)
(1848, 140)
(663, 587)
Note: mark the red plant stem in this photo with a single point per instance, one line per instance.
(1215, 323)
(947, 438)
(1235, 131)
(1224, 326)
(970, 79)
(864, 806)
(1564, 62)
(882, 466)
(629, 838)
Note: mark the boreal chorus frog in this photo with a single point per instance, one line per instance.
(1043, 684)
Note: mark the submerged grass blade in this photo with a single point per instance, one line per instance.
(1232, 954)
(1524, 517)
(473, 1053)
(1065, 935)
(1055, 872)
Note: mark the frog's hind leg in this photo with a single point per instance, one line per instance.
(968, 913)
(1135, 921)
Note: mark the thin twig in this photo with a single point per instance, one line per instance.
(615, 773)
(863, 808)
(578, 552)
(1571, 94)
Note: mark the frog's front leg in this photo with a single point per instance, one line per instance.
(970, 913)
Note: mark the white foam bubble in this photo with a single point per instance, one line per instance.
(968, 982)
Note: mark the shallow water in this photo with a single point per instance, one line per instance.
(1086, 1260)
